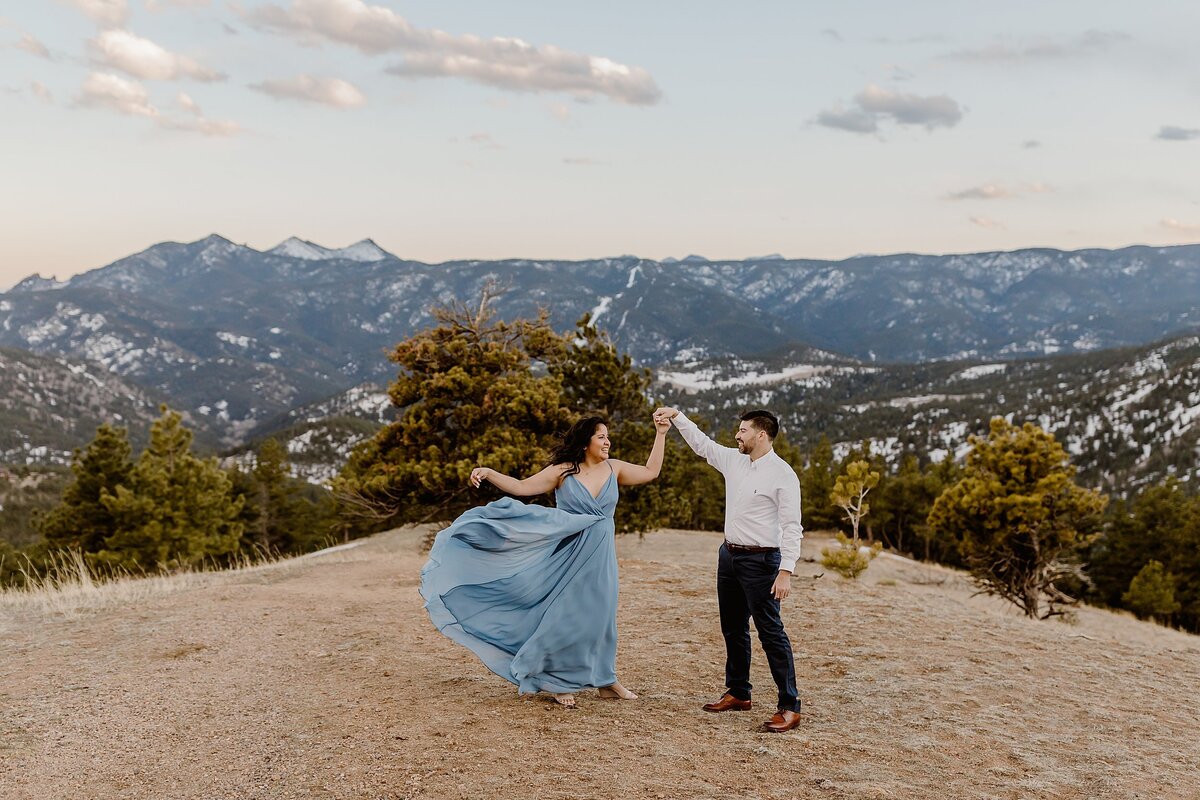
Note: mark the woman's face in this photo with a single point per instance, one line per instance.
(598, 445)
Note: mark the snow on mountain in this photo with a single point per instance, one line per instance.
(365, 251)
(293, 247)
(709, 378)
(36, 283)
(1127, 417)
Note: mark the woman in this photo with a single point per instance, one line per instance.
(532, 590)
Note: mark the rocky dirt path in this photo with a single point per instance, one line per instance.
(322, 678)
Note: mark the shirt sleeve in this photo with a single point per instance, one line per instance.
(791, 531)
(715, 454)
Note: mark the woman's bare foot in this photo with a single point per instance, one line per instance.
(617, 692)
(566, 700)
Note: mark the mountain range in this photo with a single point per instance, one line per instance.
(239, 337)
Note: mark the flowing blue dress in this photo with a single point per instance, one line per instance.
(532, 590)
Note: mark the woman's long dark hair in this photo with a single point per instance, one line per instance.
(574, 444)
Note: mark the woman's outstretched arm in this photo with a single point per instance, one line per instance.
(635, 474)
(542, 482)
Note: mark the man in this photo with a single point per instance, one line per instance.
(757, 559)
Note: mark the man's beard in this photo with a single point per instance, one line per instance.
(743, 448)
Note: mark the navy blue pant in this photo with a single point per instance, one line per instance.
(743, 591)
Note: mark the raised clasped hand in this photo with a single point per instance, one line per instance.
(477, 476)
(664, 415)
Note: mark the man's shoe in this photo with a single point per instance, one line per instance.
(780, 721)
(727, 703)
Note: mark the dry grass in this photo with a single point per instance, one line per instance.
(68, 587)
(324, 679)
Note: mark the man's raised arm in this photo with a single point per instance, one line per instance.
(715, 454)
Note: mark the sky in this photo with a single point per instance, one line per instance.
(571, 129)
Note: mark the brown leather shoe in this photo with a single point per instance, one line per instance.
(780, 721)
(727, 703)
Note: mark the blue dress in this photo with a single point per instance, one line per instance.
(532, 590)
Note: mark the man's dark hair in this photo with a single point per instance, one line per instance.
(763, 420)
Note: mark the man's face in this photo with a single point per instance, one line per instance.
(747, 437)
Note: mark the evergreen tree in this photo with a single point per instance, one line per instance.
(82, 521)
(849, 494)
(282, 514)
(1162, 523)
(1018, 515)
(272, 495)
(175, 509)
(467, 395)
(938, 545)
(816, 482)
(1152, 593)
(598, 379)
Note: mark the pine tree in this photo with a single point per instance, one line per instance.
(849, 494)
(1018, 515)
(176, 510)
(597, 378)
(938, 545)
(81, 521)
(1152, 593)
(282, 514)
(816, 482)
(272, 496)
(467, 396)
(1161, 523)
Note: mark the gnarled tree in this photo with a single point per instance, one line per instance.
(1018, 516)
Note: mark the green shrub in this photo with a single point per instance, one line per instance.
(849, 559)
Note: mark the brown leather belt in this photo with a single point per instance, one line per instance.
(745, 548)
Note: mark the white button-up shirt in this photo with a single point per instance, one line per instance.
(762, 497)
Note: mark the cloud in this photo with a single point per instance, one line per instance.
(202, 126)
(1171, 133)
(855, 120)
(142, 58)
(105, 12)
(501, 62)
(986, 222)
(40, 91)
(196, 122)
(333, 92)
(112, 92)
(1188, 228)
(485, 140)
(584, 161)
(925, 38)
(516, 66)
(988, 191)
(874, 105)
(159, 5)
(932, 111)
(992, 191)
(831, 33)
(105, 90)
(32, 45)
(1089, 43)
(189, 105)
(1030, 144)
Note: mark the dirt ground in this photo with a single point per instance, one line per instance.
(322, 678)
